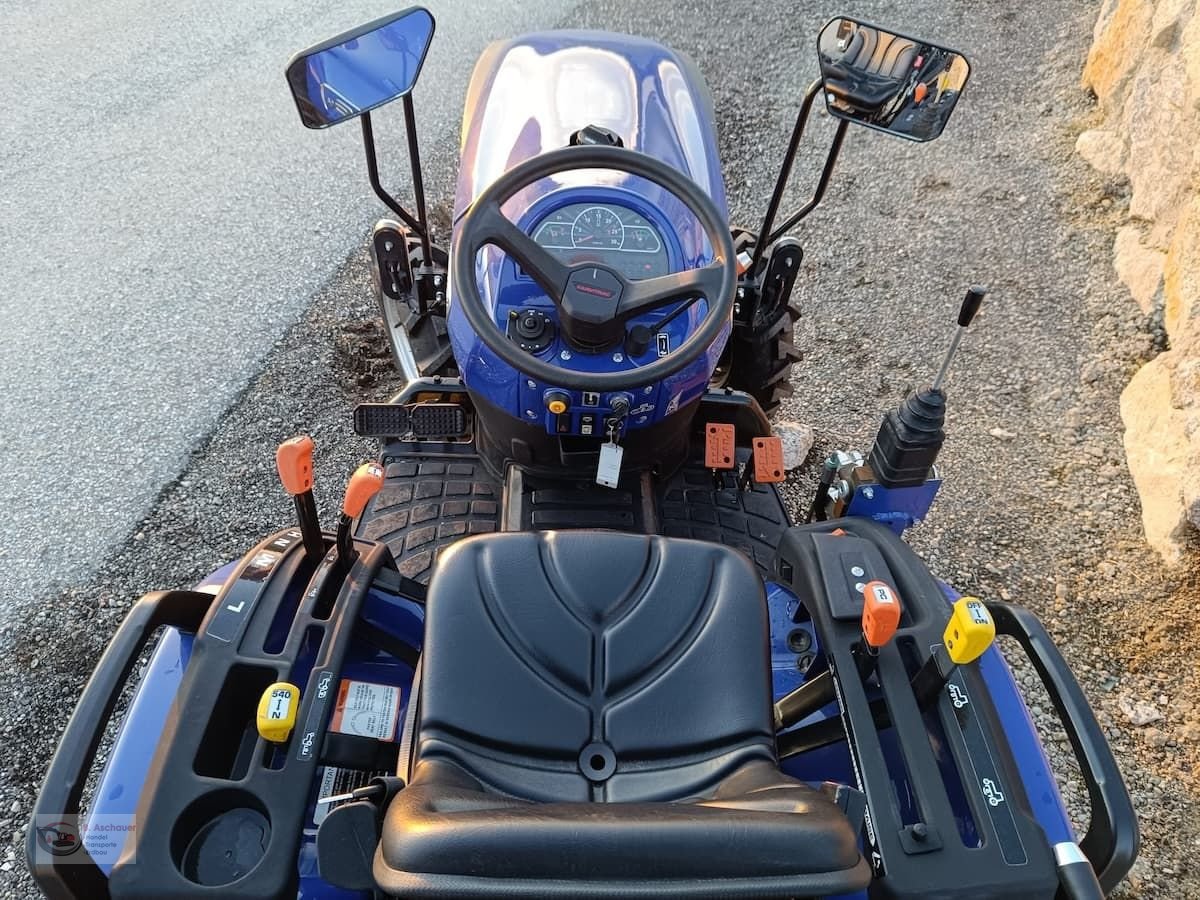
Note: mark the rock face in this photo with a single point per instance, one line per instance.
(1181, 283)
(1144, 68)
(1121, 35)
(1160, 466)
(1140, 267)
(1104, 150)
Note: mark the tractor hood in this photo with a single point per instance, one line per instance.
(529, 95)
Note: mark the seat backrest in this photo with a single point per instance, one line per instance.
(887, 55)
(592, 665)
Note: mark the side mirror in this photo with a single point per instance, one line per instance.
(360, 70)
(888, 81)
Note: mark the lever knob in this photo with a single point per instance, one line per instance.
(294, 459)
(881, 614)
(971, 303)
(364, 484)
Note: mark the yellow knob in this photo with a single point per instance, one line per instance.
(277, 711)
(558, 403)
(969, 632)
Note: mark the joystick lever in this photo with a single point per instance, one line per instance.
(364, 484)
(293, 459)
(911, 436)
(966, 313)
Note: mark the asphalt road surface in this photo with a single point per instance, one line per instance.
(163, 218)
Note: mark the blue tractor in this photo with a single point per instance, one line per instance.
(566, 640)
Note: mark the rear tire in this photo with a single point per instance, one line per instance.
(761, 359)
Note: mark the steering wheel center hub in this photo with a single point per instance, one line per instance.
(588, 311)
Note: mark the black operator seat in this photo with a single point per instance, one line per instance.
(595, 720)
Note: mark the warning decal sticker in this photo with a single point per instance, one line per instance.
(367, 710)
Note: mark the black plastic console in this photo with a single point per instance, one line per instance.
(948, 816)
(221, 810)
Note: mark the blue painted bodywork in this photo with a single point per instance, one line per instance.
(897, 508)
(528, 96)
(120, 785)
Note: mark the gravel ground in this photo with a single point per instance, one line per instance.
(1038, 506)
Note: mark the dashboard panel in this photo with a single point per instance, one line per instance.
(606, 233)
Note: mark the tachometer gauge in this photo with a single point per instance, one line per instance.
(599, 228)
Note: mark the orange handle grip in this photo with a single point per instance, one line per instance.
(364, 484)
(293, 458)
(881, 613)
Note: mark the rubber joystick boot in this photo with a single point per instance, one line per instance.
(909, 440)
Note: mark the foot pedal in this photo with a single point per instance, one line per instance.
(768, 460)
(719, 449)
(419, 420)
(446, 420)
(381, 420)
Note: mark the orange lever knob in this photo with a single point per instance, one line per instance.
(881, 613)
(364, 484)
(294, 458)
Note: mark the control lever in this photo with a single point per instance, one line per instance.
(966, 313)
(376, 789)
(293, 459)
(364, 484)
(880, 619)
(968, 634)
(349, 834)
(911, 436)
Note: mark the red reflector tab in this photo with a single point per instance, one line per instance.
(768, 460)
(719, 446)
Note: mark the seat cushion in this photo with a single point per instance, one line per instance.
(759, 834)
(595, 719)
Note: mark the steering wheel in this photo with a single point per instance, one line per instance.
(593, 300)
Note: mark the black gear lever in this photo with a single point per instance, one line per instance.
(911, 436)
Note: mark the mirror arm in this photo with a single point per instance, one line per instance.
(414, 161)
(785, 172)
(373, 175)
(834, 149)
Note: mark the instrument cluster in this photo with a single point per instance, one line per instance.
(605, 233)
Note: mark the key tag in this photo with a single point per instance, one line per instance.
(608, 472)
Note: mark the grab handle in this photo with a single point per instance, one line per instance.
(79, 876)
(1111, 842)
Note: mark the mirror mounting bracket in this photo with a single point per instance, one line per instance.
(425, 273)
(835, 149)
(768, 234)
